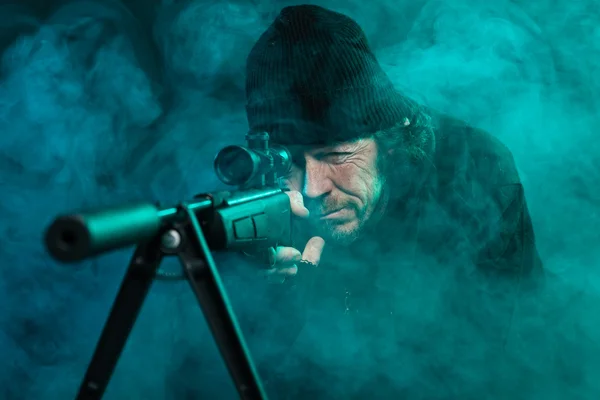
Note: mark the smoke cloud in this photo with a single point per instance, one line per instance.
(103, 102)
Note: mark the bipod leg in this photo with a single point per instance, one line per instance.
(125, 309)
(208, 288)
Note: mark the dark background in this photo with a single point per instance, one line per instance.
(104, 101)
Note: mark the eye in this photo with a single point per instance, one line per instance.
(335, 156)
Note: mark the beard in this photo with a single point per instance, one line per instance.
(340, 232)
(339, 235)
(333, 232)
(344, 232)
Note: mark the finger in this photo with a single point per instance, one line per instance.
(287, 271)
(287, 255)
(297, 204)
(313, 250)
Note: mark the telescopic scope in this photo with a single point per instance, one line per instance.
(252, 164)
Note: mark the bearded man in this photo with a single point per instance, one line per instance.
(396, 203)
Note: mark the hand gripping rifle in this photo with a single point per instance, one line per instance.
(252, 219)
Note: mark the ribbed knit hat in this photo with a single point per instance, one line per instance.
(312, 78)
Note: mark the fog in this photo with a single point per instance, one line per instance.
(103, 102)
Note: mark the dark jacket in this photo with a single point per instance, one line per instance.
(459, 253)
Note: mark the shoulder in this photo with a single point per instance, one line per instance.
(467, 153)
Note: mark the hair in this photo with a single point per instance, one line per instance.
(406, 150)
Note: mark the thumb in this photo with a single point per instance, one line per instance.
(297, 204)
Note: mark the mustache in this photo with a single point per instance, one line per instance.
(325, 206)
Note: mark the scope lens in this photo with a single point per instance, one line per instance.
(235, 165)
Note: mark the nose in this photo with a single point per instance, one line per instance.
(317, 181)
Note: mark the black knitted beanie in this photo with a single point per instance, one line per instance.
(311, 78)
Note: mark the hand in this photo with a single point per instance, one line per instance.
(284, 259)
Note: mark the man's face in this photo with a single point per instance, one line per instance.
(341, 186)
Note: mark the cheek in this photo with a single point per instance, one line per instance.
(355, 180)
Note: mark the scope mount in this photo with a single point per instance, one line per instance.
(256, 165)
